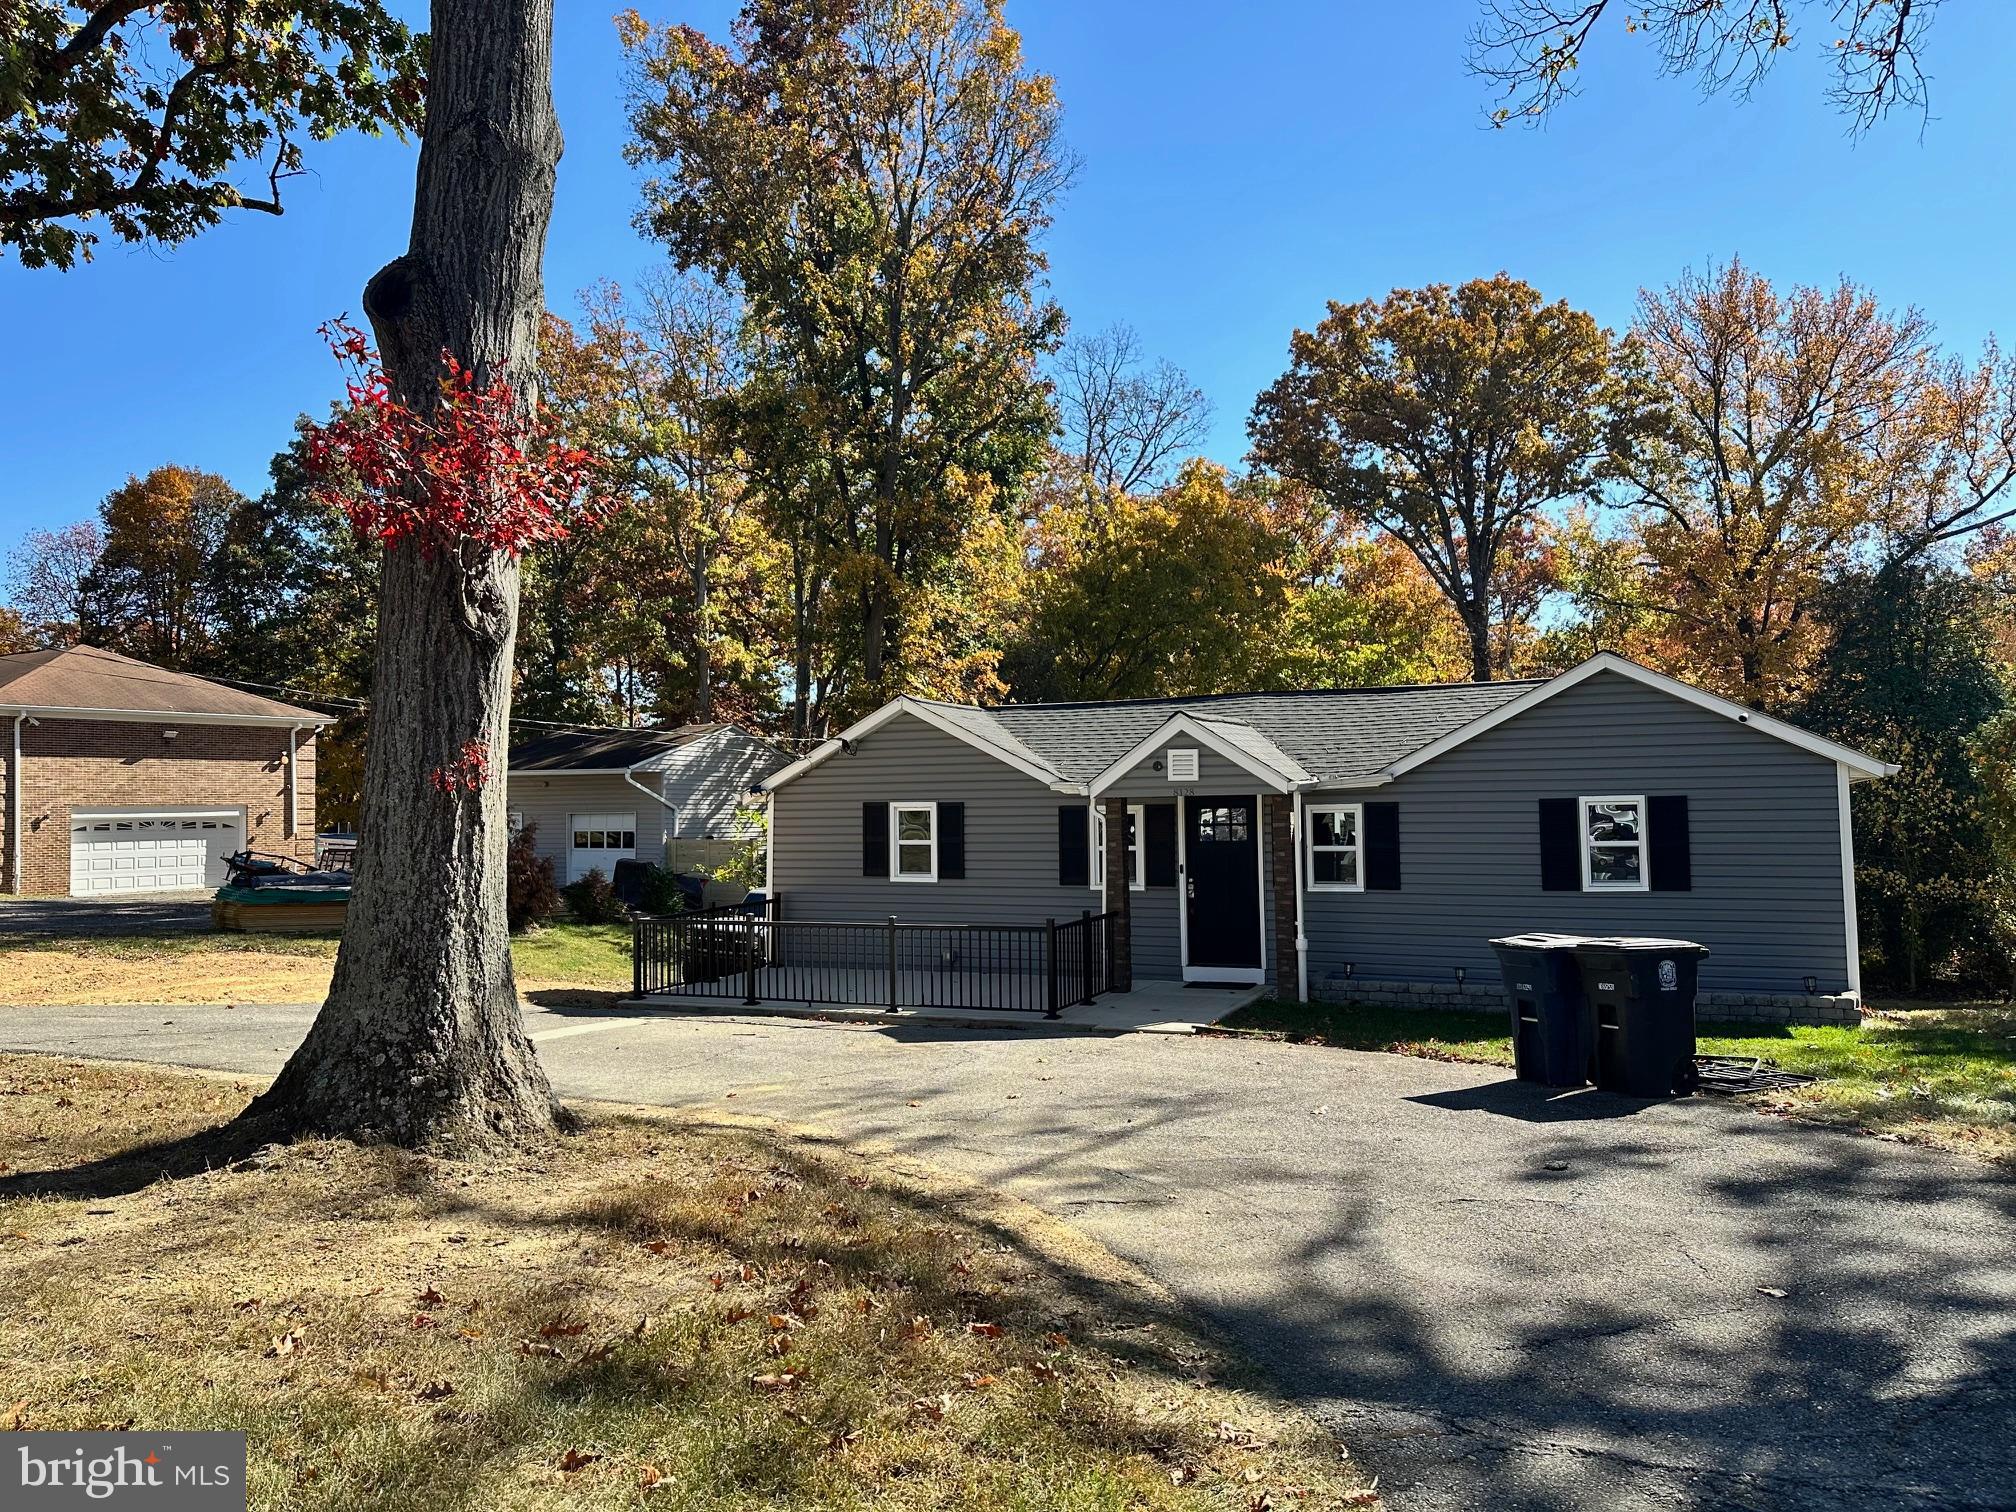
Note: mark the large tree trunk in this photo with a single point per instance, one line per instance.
(420, 1041)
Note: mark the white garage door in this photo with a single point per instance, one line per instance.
(175, 848)
(598, 842)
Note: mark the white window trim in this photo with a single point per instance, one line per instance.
(1643, 845)
(1138, 881)
(896, 872)
(1310, 847)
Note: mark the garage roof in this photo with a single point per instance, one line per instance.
(603, 750)
(85, 681)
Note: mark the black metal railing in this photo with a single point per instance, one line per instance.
(749, 954)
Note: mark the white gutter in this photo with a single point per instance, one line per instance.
(170, 716)
(1295, 823)
(14, 807)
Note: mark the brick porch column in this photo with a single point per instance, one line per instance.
(1279, 812)
(1119, 899)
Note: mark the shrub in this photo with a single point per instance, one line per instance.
(661, 893)
(593, 900)
(530, 893)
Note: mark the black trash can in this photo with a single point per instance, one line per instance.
(1553, 1030)
(1641, 992)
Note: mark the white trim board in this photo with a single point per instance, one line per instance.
(1185, 726)
(928, 714)
(170, 717)
(1864, 767)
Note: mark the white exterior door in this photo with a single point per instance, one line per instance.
(155, 852)
(596, 842)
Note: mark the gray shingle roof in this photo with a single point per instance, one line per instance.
(1337, 735)
(601, 750)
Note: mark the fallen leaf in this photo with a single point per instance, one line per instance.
(429, 1298)
(650, 1479)
(783, 1380)
(934, 1410)
(574, 1460)
(985, 1330)
(976, 1382)
(286, 1344)
(920, 1328)
(245, 1304)
(1062, 1341)
(561, 1328)
(538, 1350)
(659, 1247)
(424, 1321)
(1773, 1291)
(1041, 1371)
(436, 1391)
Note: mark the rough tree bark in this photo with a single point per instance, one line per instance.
(420, 1042)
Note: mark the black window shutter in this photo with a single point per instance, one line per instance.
(951, 842)
(874, 839)
(1670, 862)
(1382, 847)
(1159, 861)
(1560, 846)
(1074, 846)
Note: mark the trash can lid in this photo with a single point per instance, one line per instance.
(1541, 940)
(1648, 943)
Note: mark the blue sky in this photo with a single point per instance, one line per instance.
(1242, 165)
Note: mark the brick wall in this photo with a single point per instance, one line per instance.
(1279, 813)
(70, 764)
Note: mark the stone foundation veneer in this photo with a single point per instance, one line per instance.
(1488, 997)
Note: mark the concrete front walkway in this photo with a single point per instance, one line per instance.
(1500, 1297)
(1154, 1007)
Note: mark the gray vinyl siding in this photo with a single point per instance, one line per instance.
(1011, 835)
(1011, 844)
(547, 802)
(1214, 775)
(709, 782)
(1765, 839)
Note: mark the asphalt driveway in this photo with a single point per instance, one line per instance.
(1498, 1298)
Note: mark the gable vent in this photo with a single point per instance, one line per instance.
(1183, 766)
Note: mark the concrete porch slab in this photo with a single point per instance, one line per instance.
(1157, 1007)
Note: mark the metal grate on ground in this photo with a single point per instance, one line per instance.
(1731, 1075)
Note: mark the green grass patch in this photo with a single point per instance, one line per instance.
(1943, 1075)
(596, 955)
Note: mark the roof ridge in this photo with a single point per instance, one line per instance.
(1191, 698)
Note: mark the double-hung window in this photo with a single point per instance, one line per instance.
(1137, 877)
(913, 842)
(1613, 845)
(1335, 858)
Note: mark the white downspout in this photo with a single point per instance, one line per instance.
(293, 784)
(1295, 823)
(770, 848)
(14, 807)
(1851, 926)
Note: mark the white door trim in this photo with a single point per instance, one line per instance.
(1234, 975)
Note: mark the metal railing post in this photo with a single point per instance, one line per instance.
(1050, 1009)
(637, 959)
(1087, 990)
(750, 929)
(892, 963)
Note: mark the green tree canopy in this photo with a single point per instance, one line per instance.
(140, 117)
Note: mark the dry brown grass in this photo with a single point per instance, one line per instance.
(572, 961)
(656, 1312)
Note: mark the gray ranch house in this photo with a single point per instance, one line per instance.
(1360, 844)
(677, 798)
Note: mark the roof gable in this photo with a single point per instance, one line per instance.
(88, 682)
(604, 750)
(1860, 765)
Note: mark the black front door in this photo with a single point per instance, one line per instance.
(1222, 888)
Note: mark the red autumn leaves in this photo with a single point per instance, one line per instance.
(475, 468)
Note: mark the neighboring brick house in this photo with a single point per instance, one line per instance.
(125, 777)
